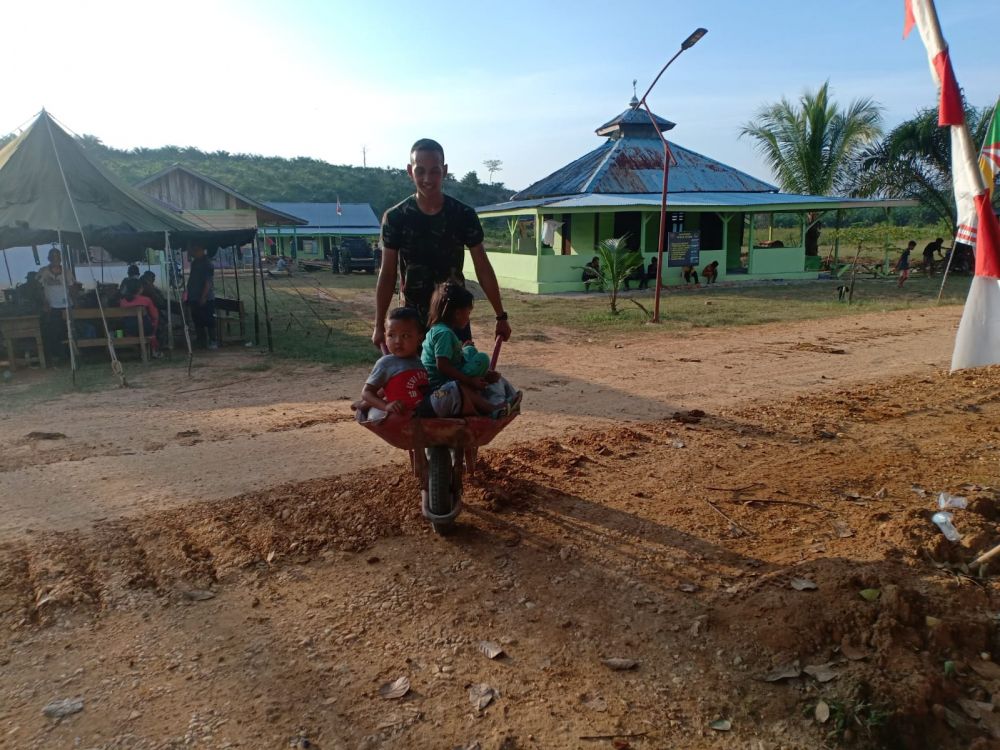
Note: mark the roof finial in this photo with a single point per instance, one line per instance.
(635, 100)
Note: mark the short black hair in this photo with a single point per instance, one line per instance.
(130, 288)
(405, 313)
(148, 275)
(427, 144)
(133, 269)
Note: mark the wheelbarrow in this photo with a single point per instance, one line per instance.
(441, 451)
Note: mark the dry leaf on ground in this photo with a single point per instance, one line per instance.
(395, 689)
(491, 649)
(820, 672)
(481, 695)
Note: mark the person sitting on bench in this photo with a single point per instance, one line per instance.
(131, 297)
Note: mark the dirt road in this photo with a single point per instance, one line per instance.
(202, 563)
(234, 428)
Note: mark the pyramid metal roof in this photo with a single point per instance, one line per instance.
(631, 161)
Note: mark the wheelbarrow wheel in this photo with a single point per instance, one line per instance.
(440, 499)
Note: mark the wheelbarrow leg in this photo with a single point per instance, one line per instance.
(418, 462)
(442, 495)
(471, 454)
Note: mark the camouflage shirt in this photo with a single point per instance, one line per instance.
(431, 247)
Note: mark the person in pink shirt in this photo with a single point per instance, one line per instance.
(131, 297)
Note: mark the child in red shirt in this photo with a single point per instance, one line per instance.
(132, 298)
(398, 381)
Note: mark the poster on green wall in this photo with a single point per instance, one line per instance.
(683, 248)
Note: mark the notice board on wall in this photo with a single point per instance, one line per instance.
(683, 248)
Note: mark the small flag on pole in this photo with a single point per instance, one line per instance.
(989, 157)
(340, 209)
(977, 343)
(989, 166)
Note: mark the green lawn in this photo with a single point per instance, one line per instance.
(328, 318)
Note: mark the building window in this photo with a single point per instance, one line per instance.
(676, 222)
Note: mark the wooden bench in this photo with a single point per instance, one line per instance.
(229, 314)
(22, 327)
(116, 317)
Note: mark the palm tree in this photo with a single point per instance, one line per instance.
(616, 263)
(810, 144)
(914, 161)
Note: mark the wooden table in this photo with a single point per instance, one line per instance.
(22, 327)
(115, 316)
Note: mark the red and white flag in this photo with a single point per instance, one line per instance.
(340, 210)
(978, 340)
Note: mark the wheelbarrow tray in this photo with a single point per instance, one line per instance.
(411, 433)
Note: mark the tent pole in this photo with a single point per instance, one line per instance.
(222, 269)
(947, 268)
(254, 263)
(267, 314)
(7, 263)
(236, 281)
(170, 318)
(187, 335)
(69, 317)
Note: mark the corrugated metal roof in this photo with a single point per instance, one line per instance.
(632, 164)
(633, 116)
(680, 201)
(358, 216)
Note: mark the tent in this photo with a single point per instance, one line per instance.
(51, 191)
(49, 186)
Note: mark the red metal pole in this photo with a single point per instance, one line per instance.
(667, 156)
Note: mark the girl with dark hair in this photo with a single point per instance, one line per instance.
(444, 355)
(132, 297)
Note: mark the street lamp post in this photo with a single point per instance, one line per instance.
(688, 43)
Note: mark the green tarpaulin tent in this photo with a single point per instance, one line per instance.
(44, 166)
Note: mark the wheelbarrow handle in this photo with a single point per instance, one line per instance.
(496, 353)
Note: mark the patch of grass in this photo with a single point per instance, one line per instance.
(327, 318)
(721, 306)
(853, 719)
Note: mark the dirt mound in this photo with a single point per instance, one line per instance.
(199, 546)
(761, 566)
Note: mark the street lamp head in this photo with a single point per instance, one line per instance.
(692, 40)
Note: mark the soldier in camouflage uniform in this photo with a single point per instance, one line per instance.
(424, 237)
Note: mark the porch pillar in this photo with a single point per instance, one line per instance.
(725, 219)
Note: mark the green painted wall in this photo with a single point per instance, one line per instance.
(777, 261)
(606, 226)
(583, 234)
(734, 240)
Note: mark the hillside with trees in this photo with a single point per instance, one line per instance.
(271, 178)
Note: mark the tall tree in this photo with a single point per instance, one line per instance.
(914, 161)
(810, 144)
(493, 165)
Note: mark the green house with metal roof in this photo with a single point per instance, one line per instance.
(615, 190)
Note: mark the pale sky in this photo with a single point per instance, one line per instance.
(523, 82)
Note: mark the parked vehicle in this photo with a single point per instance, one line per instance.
(355, 254)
